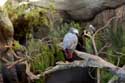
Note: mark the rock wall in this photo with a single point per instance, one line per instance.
(103, 17)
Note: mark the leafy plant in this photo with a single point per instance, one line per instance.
(106, 76)
(42, 56)
(117, 39)
(61, 30)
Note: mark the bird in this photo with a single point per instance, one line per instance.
(91, 29)
(70, 42)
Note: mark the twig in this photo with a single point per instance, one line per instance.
(118, 57)
(94, 44)
(14, 63)
(91, 74)
(107, 45)
(29, 73)
(106, 25)
(119, 53)
(14, 54)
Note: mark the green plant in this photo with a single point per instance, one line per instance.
(59, 31)
(105, 76)
(117, 38)
(42, 56)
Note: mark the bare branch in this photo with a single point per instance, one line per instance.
(106, 25)
(14, 63)
(99, 62)
(29, 73)
(89, 61)
(63, 66)
(107, 45)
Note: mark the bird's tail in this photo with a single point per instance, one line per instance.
(69, 54)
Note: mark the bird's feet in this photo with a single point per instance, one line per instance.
(63, 62)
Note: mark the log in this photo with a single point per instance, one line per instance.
(89, 61)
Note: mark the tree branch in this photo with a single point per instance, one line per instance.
(106, 25)
(89, 61)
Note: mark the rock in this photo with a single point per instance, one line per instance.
(73, 75)
(81, 9)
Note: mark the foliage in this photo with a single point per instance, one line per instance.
(42, 56)
(116, 53)
(26, 18)
(18, 46)
(117, 39)
(89, 46)
(105, 76)
(61, 30)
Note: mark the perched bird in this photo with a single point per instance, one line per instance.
(91, 29)
(70, 42)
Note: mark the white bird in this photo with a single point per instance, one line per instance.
(70, 42)
(91, 29)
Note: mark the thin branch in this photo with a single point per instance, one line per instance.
(91, 74)
(106, 25)
(119, 53)
(118, 62)
(14, 63)
(94, 46)
(29, 73)
(107, 45)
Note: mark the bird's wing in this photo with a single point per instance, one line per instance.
(70, 41)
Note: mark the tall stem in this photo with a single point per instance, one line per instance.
(96, 53)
